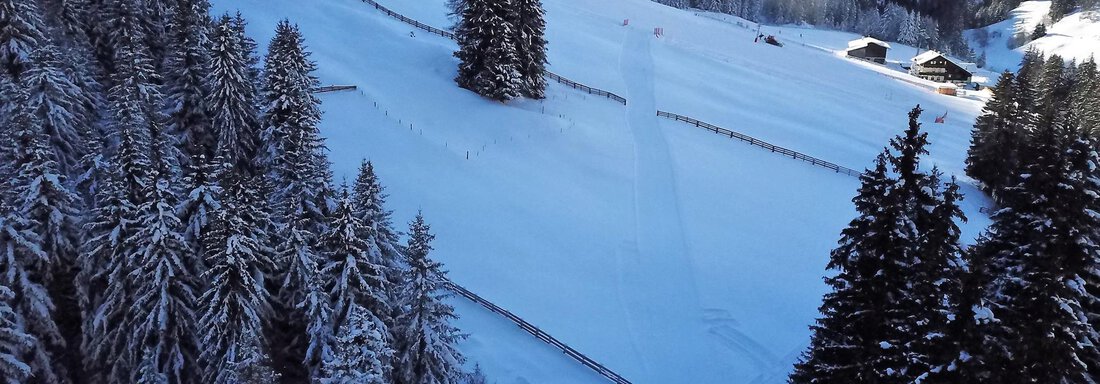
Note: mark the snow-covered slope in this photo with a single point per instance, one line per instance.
(667, 253)
(1075, 37)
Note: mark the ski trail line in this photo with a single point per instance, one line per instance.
(663, 302)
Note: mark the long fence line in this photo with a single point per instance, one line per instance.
(450, 35)
(762, 144)
(538, 333)
(334, 88)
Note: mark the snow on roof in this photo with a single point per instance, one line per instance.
(948, 85)
(925, 57)
(860, 43)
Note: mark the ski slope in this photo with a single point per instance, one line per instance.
(665, 252)
(1075, 37)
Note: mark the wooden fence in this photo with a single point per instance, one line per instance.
(451, 35)
(538, 333)
(333, 88)
(762, 144)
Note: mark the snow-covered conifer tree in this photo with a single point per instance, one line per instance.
(60, 106)
(13, 341)
(21, 32)
(187, 70)
(488, 50)
(233, 308)
(531, 47)
(426, 351)
(233, 96)
(360, 349)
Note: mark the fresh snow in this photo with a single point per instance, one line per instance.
(663, 251)
(1075, 37)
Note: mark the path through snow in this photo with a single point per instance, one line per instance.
(660, 249)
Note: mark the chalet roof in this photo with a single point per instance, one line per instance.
(927, 56)
(861, 43)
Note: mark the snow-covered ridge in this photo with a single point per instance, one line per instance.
(1075, 37)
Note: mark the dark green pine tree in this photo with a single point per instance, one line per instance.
(233, 97)
(235, 305)
(384, 249)
(1081, 199)
(488, 54)
(1053, 91)
(50, 208)
(21, 32)
(1085, 99)
(994, 144)
(13, 340)
(60, 105)
(531, 47)
(1037, 254)
(299, 171)
(848, 335)
(29, 267)
(187, 69)
(426, 352)
(353, 278)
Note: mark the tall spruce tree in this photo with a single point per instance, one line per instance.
(1038, 256)
(28, 268)
(61, 107)
(233, 96)
(383, 248)
(187, 69)
(488, 50)
(21, 32)
(352, 277)
(49, 206)
(426, 351)
(13, 341)
(849, 334)
(531, 47)
(298, 171)
(359, 353)
(994, 145)
(898, 266)
(235, 305)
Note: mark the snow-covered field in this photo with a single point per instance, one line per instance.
(1075, 37)
(667, 253)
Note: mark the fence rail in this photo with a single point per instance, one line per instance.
(538, 333)
(333, 88)
(762, 144)
(450, 35)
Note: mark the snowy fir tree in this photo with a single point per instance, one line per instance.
(359, 353)
(426, 351)
(353, 278)
(994, 145)
(1039, 258)
(298, 171)
(201, 199)
(898, 265)
(234, 307)
(382, 240)
(29, 261)
(188, 68)
(60, 107)
(165, 285)
(531, 47)
(233, 96)
(13, 341)
(50, 208)
(488, 53)
(21, 32)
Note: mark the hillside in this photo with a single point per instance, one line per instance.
(1075, 37)
(667, 253)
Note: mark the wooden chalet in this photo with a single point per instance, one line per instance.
(869, 49)
(936, 67)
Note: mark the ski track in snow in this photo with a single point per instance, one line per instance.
(661, 249)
